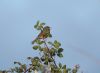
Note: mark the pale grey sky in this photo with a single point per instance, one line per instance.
(75, 23)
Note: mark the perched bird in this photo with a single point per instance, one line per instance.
(45, 32)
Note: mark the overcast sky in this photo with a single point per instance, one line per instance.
(75, 23)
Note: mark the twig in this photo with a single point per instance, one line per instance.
(27, 69)
(50, 55)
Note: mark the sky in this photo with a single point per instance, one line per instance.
(74, 23)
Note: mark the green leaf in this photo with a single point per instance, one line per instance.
(41, 67)
(17, 63)
(39, 27)
(29, 58)
(36, 58)
(37, 24)
(60, 50)
(30, 70)
(46, 62)
(60, 65)
(42, 24)
(17, 69)
(55, 41)
(45, 50)
(0, 71)
(74, 70)
(35, 47)
(34, 68)
(60, 55)
(42, 58)
(52, 51)
(49, 35)
(64, 67)
(38, 64)
(50, 43)
(40, 49)
(24, 66)
(50, 60)
(41, 42)
(69, 69)
(65, 71)
(38, 41)
(57, 44)
(34, 62)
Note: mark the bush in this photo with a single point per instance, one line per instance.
(45, 62)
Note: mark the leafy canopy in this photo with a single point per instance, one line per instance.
(48, 50)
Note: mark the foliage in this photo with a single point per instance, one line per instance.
(45, 63)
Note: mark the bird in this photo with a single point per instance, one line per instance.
(45, 32)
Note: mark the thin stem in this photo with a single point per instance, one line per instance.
(50, 55)
(27, 69)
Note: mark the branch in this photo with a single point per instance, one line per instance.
(49, 54)
(27, 69)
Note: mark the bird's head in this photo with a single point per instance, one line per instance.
(46, 28)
